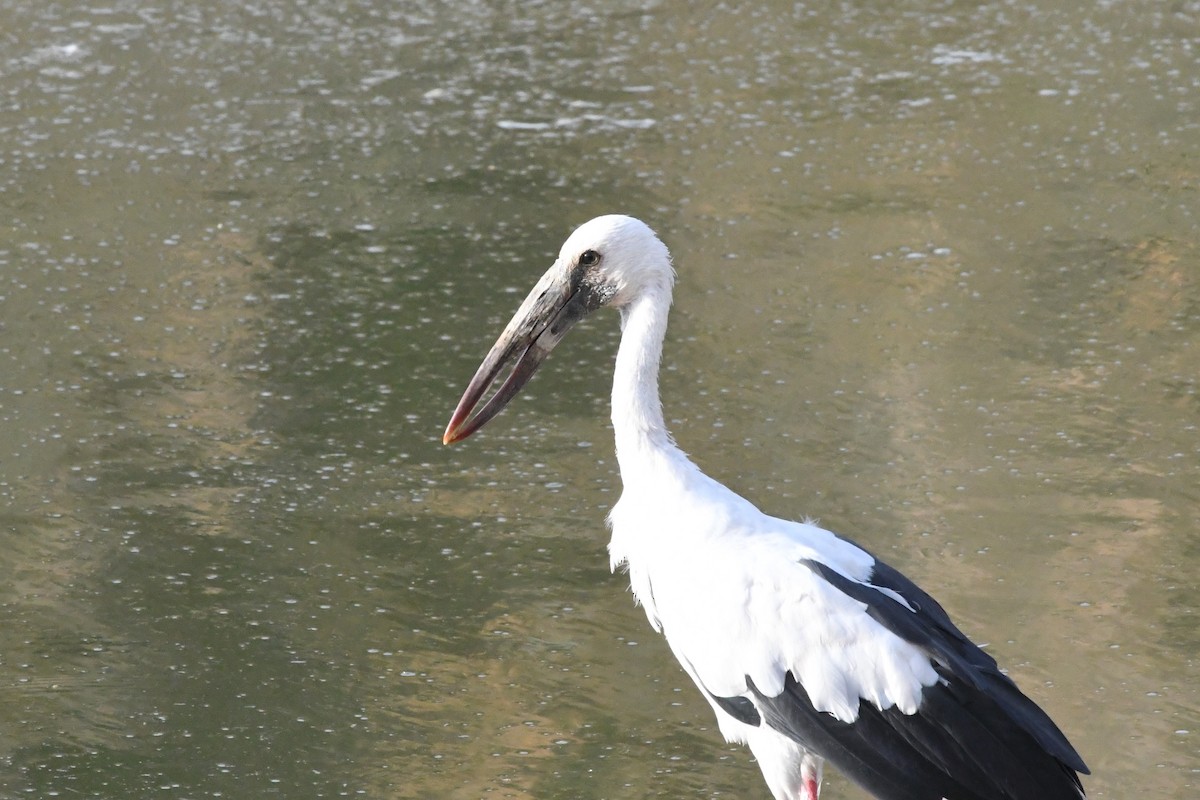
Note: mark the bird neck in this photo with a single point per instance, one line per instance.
(637, 417)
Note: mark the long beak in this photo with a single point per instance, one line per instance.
(556, 303)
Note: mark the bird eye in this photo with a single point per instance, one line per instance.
(589, 258)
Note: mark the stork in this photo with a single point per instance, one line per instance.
(807, 647)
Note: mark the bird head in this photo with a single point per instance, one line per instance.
(609, 261)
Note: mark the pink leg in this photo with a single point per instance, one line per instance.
(810, 778)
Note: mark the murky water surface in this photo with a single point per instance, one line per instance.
(939, 287)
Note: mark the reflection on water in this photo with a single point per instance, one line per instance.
(938, 286)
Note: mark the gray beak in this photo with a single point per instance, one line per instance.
(557, 302)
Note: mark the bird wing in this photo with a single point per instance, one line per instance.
(750, 606)
(974, 735)
(928, 627)
(729, 588)
(784, 624)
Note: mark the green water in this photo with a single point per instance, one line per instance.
(939, 287)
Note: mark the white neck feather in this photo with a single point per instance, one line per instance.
(643, 442)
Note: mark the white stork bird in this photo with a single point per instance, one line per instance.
(807, 647)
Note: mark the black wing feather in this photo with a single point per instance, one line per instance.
(869, 750)
(740, 708)
(1023, 710)
(975, 736)
(929, 627)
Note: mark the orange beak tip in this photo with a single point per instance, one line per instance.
(454, 432)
